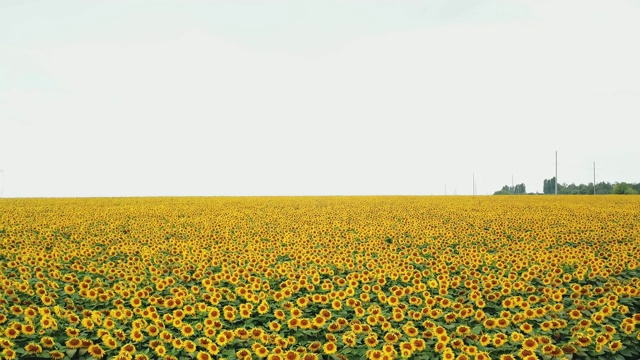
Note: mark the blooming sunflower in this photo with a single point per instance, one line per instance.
(96, 351)
(329, 348)
(33, 348)
(615, 346)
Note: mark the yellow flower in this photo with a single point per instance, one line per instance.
(329, 348)
(56, 355)
(9, 354)
(47, 341)
(33, 348)
(96, 351)
(615, 346)
(160, 350)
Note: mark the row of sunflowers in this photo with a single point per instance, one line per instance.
(524, 277)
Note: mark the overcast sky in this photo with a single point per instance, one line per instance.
(140, 98)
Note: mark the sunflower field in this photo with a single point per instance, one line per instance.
(458, 277)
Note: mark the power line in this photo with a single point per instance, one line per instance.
(556, 172)
(473, 191)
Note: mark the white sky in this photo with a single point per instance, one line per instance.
(139, 98)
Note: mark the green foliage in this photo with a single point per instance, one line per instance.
(601, 188)
(624, 189)
(549, 185)
(512, 190)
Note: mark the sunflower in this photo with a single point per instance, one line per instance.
(189, 346)
(548, 349)
(221, 339)
(73, 343)
(463, 330)
(242, 333)
(136, 336)
(56, 355)
(575, 314)
(152, 330)
(545, 326)
(275, 326)
(33, 348)
(526, 328)
(502, 322)
(187, 330)
(329, 348)
(87, 323)
(213, 348)
(390, 337)
(306, 324)
(389, 350)
(9, 354)
(110, 342)
(245, 313)
(411, 331)
(583, 341)
(440, 346)
(407, 347)
(455, 343)
(371, 341)
(96, 351)
(598, 317)
(177, 343)
(243, 353)
(128, 348)
(11, 333)
(318, 321)
(615, 346)
(28, 329)
(485, 340)
(310, 356)
(204, 342)
(16, 310)
(261, 351)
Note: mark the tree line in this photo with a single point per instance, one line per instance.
(587, 189)
(512, 190)
(549, 187)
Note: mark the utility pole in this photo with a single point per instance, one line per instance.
(556, 172)
(594, 178)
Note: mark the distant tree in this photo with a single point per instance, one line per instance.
(503, 192)
(572, 189)
(623, 188)
(604, 188)
(549, 186)
(511, 190)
